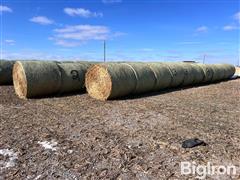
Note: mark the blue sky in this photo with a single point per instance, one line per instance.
(163, 30)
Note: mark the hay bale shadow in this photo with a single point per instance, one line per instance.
(168, 90)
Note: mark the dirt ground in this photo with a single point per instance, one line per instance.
(140, 137)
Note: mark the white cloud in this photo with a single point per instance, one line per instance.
(10, 41)
(237, 16)
(81, 12)
(41, 20)
(202, 29)
(30, 54)
(83, 32)
(70, 36)
(234, 25)
(230, 27)
(5, 9)
(65, 43)
(111, 1)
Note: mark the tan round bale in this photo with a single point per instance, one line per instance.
(237, 70)
(36, 78)
(110, 80)
(6, 72)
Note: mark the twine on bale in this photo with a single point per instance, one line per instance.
(112, 80)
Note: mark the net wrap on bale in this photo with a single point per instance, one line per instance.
(6, 72)
(112, 80)
(43, 78)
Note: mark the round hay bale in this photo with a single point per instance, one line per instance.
(162, 74)
(145, 76)
(178, 73)
(218, 72)
(229, 70)
(106, 81)
(208, 72)
(237, 70)
(6, 68)
(198, 73)
(73, 76)
(189, 75)
(36, 78)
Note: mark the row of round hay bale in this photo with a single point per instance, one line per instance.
(112, 80)
(43, 78)
(237, 73)
(6, 72)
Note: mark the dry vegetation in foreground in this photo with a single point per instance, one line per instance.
(138, 137)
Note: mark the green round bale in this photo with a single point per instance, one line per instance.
(145, 76)
(73, 76)
(189, 74)
(162, 74)
(36, 78)
(6, 72)
(41, 78)
(178, 73)
(208, 72)
(229, 70)
(111, 80)
(218, 72)
(198, 73)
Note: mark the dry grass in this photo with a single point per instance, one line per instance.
(133, 138)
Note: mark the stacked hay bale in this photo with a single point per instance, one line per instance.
(6, 72)
(43, 78)
(237, 73)
(112, 80)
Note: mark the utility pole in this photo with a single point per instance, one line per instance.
(204, 57)
(104, 50)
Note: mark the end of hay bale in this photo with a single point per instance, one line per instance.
(19, 80)
(98, 82)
